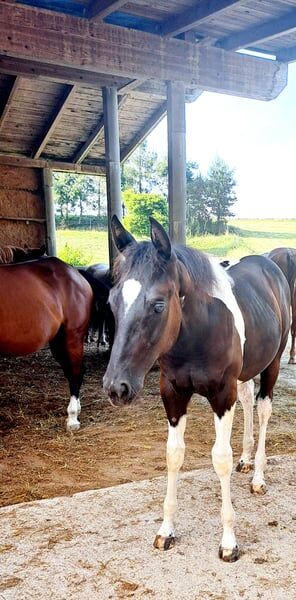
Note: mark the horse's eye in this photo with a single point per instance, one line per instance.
(159, 306)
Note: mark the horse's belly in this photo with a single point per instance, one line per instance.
(22, 337)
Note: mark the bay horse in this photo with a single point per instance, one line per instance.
(46, 301)
(212, 332)
(285, 258)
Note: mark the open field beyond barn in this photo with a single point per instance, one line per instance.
(246, 237)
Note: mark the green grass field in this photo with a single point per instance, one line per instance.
(247, 237)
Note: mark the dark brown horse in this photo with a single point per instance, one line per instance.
(46, 301)
(285, 258)
(212, 332)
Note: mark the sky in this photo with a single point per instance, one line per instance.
(256, 139)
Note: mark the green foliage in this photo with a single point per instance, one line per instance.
(139, 172)
(220, 192)
(74, 256)
(140, 207)
(75, 193)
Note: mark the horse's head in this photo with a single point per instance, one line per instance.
(146, 301)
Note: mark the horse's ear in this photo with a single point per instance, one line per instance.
(160, 239)
(121, 236)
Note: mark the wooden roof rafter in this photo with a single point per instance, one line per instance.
(156, 117)
(79, 157)
(195, 16)
(9, 102)
(99, 9)
(261, 33)
(63, 102)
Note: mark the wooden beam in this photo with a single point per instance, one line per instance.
(39, 163)
(48, 72)
(51, 244)
(13, 90)
(194, 16)
(177, 162)
(286, 54)
(148, 127)
(255, 35)
(66, 41)
(112, 153)
(94, 136)
(54, 120)
(99, 9)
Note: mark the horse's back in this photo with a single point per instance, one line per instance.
(37, 298)
(263, 295)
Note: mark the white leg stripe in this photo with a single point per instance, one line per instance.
(130, 291)
(223, 291)
(222, 461)
(246, 397)
(73, 411)
(264, 409)
(175, 458)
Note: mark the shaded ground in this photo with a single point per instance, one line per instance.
(115, 445)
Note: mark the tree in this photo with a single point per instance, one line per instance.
(75, 193)
(220, 192)
(139, 172)
(140, 207)
(198, 216)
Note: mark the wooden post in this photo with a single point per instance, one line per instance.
(49, 212)
(177, 161)
(112, 151)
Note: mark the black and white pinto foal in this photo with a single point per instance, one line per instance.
(212, 332)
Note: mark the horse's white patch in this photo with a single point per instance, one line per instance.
(73, 410)
(223, 291)
(130, 291)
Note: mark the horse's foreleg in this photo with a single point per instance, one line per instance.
(223, 462)
(246, 396)
(175, 456)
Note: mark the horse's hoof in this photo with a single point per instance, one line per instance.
(258, 489)
(164, 543)
(73, 426)
(229, 554)
(292, 361)
(243, 467)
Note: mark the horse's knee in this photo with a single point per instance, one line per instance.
(222, 461)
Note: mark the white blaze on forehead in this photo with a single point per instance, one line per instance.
(130, 291)
(223, 291)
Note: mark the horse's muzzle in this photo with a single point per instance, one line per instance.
(119, 392)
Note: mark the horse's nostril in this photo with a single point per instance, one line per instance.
(124, 390)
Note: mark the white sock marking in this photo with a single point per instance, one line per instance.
(73, 411)
(246, 396)
(130, 291)
(223, 291)
(223, 462)
(264, 409)
(175, 458)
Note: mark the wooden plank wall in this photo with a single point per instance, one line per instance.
(22, 208)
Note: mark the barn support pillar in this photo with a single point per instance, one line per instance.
(112, 150)
(176, 161)
(49, 213)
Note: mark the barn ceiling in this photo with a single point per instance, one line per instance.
(57, 55)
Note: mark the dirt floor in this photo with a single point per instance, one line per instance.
(114, 445)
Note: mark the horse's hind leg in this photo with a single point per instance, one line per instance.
(264, 409)
(67, 349)
(245, 393)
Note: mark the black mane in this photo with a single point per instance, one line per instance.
(143, 258)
